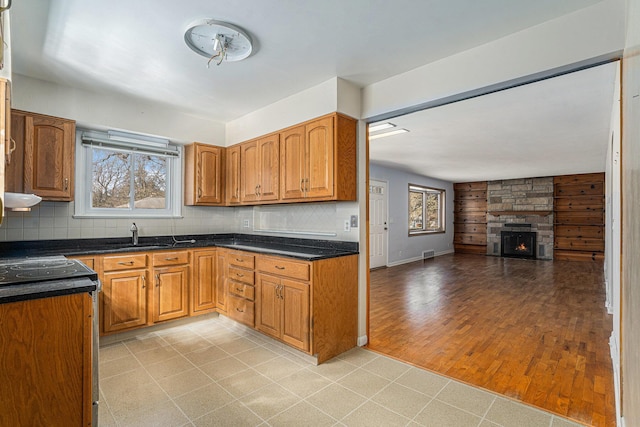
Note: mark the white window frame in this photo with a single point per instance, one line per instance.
(84, 178)
(415, 188)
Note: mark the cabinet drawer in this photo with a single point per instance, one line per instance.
(242, 290)
(124, 262)
(170, 258)
(284, 267)
(241, 310)
(241, 259)
(241, 275)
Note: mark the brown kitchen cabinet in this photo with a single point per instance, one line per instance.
(46, 146)
(260, 170)
(171, 285)
(232, 191)
(45, 363)
(318, 160)
(221, 280)
(240, 287)
(203, 282)
(204, 175)
(124, 292)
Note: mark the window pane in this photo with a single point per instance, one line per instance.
(415, 210)
(433, 211)
(149, 181)
(111, 178)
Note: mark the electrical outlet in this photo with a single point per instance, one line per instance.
(245, 223)
(354, 221)
(347, 225)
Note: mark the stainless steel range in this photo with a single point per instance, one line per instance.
(31, 275)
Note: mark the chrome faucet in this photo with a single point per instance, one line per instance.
(134, 236)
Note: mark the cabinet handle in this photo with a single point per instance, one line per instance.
(199, 192)
(280, 268)
(12, 148)
(279, 291)
(239, 275)
(144, 281)
(237, 193)
(302, 185)
(241, 311)
(239, 260)
(306, 187)
(259, 192)
(125, 262)
(239, 289)
(171, 259)
(66, 184)
(256, 190)
(158, 280)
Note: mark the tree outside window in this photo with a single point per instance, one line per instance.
(426, 210)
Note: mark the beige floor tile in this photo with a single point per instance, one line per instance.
(371, 415)
(423, 381)
(203, 400)
(118, 366)
(234, 414)
(168, 367)
(156, 355)
(190, 345)
(304, 383)
(184, 382)
(468, 398)
(402, 400)
(508, 413)
(118, 384)
(113, 351)
(256, 355)
(144, 343)
(386, 367)
(237, 346)
(174, 336)
(244, 383)
(562, 422)
(223, 368)
(104, 415)
(270, 400)
(302, 414)
(336, 400)
(487, 423)
(164, 414)
(439, 414)
(358, 356)
(130, 396)
(206, 355)
(364, 382)
(278, 368)
(333, 369)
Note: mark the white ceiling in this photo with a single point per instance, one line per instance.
(136, 48)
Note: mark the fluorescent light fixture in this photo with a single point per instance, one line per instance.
(383, 134)
(380, 126)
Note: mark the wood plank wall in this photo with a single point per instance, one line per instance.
(470, 217)
(579, 202)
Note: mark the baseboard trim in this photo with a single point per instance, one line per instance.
(362, 341)
(417, 258)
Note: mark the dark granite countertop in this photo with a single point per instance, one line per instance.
(305, 249)
(47, 289)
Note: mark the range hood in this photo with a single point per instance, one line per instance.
(20, 202)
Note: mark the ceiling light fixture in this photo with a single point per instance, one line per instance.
(218, 40)
(380, 126)
(390, 133)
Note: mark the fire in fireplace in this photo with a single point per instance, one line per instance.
(518, 244)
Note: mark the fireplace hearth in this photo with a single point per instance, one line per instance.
(518, 244)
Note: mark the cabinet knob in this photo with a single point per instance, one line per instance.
(66, 184)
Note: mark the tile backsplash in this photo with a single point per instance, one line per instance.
(54, 220)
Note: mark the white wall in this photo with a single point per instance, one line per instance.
(402, 247)
(113, 111)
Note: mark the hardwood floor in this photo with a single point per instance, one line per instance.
(535, 331)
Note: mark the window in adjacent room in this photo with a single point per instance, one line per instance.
(426, 210)
(125, 175)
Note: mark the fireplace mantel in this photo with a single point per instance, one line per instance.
(520, 213)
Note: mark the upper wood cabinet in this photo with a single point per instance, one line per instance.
(260, 169)
(204, 175)
(233, 175)
(43, 160)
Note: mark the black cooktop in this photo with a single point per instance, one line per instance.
(29, 270)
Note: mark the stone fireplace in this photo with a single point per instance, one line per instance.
(521, 206)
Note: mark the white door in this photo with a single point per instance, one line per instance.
(378, 228)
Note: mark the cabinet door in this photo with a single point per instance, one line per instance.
(14, 160)
(49, 157)
(269, 167)
(221, 281)
(204, 281)
(209, 174)
(292, 163)
(295, 313)
(249, 172)
(320, 158)
(124, 300)
(171, 293)
(268, 308)
(233, 175)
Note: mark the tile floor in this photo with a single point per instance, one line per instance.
(212, 372)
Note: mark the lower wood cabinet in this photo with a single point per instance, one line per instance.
(124, 300)
(171, 293)
(203, 282)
